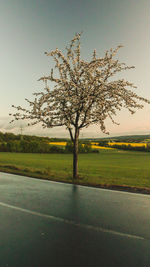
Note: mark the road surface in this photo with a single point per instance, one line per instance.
(44, 223)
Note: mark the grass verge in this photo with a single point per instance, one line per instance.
(120, 170)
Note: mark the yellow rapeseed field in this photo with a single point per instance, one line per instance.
(100, 147)
(93, 145)
(58, 143)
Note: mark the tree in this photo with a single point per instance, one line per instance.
(103, 143)
(84, 93)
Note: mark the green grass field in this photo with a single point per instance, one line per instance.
(112, 167)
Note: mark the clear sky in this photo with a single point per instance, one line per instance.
(29, 28)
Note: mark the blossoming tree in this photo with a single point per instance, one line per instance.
(85, 93)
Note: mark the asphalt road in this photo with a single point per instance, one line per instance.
(44, 224)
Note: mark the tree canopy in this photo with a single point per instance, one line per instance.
(85, 92)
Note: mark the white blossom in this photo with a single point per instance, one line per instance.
(85, 93)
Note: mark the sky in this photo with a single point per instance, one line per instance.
(29, 28)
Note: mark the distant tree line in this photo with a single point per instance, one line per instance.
(10, 142)
(132, 148)
(6, 137)
(24, 146)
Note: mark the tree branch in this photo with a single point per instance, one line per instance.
(71, 135)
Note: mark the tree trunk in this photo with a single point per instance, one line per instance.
(75, 154)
